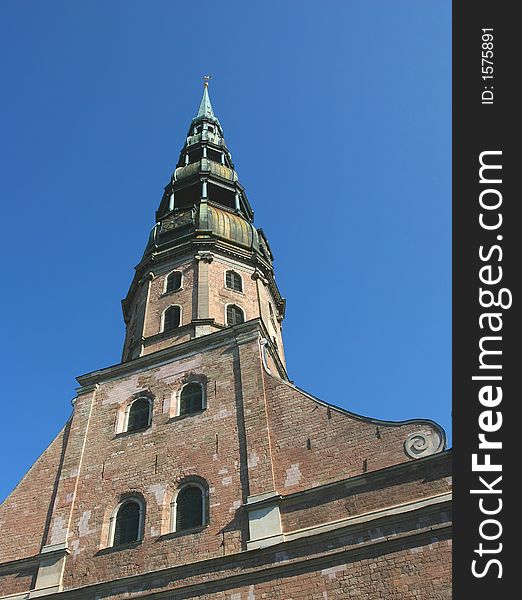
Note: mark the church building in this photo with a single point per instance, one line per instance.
(195, 468)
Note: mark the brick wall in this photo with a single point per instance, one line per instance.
(258, 434)
(314, 443)
(24, 515)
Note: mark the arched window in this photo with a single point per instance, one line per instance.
(190, 507)
(235, 315)
(233, 281)
(173, 282)
(139, 414)
(128, 523)
(191, 399)
(171, 318)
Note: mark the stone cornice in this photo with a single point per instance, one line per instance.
(243, 573)
(156, 359)
(190, 247)
(387, 473)
(30, 561)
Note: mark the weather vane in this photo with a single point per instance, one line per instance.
(206, 78)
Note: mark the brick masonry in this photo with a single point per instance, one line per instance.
(304, 500)
(258, 434)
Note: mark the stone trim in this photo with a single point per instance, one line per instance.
(19, 596)
(372, 476)
(161, 357)
(133, 584)
(368, 517)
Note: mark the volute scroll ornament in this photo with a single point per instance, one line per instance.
(423, 443)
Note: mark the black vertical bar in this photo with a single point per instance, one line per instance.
(486, 125)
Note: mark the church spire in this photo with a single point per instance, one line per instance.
(206, 266)
(205, 110)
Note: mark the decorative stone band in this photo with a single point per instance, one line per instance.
(423, 443)
(265, 524)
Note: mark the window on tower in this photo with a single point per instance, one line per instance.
(190, 507)
(235, 315)
(139, 415)
(191, 399)
(214, 155)
(173, 282)
(172, 318)
(128, 523)
(234, 281)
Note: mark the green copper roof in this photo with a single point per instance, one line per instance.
(205, 108)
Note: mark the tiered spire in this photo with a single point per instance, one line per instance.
(204, 215)
(205, 171)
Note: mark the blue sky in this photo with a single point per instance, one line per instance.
(338, 117)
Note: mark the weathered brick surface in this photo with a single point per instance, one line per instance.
(15, 579)
(421, 572)
(24, 515)
(364, 564)
(313, 444)
(153, 463)
(347, 500)
(159, 300)
(255, 300)
(251, 439)
(305, 501)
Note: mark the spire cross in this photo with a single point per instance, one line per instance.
(206, 79)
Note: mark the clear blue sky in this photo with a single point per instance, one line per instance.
(338, 118)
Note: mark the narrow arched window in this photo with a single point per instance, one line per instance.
(139, 414)
(191, 399)
(235, 315)
(190, 507)
(173, 282)
(171, 318)
(233, 281)
(127, 527)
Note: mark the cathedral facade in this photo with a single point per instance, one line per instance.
(195, 468)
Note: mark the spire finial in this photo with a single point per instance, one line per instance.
(205, 108)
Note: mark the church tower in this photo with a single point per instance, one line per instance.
(195, 469)
(206, 266)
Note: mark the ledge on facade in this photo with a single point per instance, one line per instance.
(245, 572)
(247, 330)
(123, 434)
(188, 245)
(172, 292)
(386, 473)
(177, 534)
(186, 415)
(182, 329)
(111, 549)
(19, 563)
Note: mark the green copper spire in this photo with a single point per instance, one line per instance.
(205, 108)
